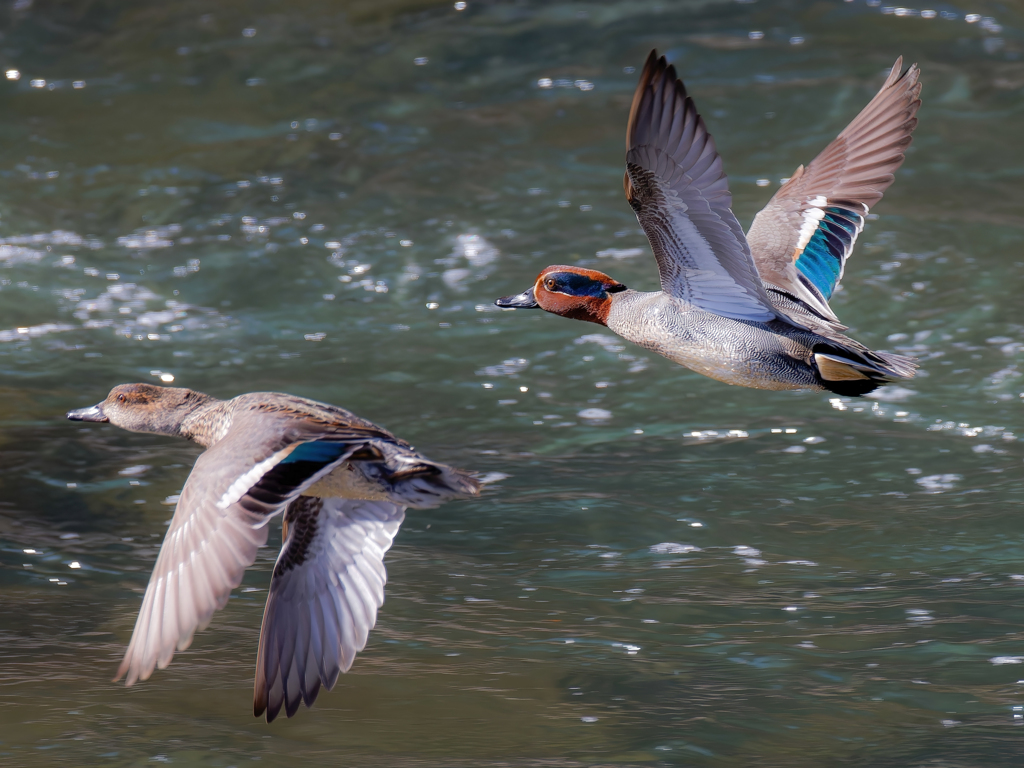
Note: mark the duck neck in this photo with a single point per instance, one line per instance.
(632, 315)
(590, 309)
(204, 423)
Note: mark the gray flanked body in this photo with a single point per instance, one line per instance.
(773, 355)
(776, 355)
(342, 484)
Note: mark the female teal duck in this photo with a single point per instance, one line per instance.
(343, 484)
(751, 310)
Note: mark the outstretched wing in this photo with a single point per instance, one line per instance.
(675, 183)
(327, 586)
(803, 237)
(219, 523)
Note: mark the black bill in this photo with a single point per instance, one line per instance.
(524, 300)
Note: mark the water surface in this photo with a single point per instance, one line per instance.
(324, 198)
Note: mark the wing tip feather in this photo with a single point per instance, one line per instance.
(122, 670)
(646, 75)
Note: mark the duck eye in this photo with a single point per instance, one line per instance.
(550, 283)
(121, 398)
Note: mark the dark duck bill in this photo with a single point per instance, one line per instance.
(524, 300)
(92, 413)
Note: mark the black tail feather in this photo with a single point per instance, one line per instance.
(854, 373)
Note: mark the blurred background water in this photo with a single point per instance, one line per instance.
(325, 198)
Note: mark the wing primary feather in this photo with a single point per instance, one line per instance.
(327, 584)
(676, 185)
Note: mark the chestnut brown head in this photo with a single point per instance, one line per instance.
(582, 294)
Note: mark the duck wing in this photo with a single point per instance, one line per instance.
(327, 586)
(803, 237)
(220, 521)
(675, 183)
(329, 579)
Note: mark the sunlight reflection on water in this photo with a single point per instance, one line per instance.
(670, 569)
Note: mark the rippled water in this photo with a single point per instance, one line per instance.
(325, 198)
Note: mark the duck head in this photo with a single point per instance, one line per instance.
(582, 294)
(145, 408)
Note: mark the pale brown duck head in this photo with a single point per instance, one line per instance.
(144, 408)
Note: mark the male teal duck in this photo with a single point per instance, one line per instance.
(751, 311)
(343, 484)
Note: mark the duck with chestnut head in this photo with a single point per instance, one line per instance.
(748, 310)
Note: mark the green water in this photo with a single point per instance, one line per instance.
(831, 583)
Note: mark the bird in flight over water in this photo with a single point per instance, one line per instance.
(747, 310)
(342, 484)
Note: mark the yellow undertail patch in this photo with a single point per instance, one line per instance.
(832, 369)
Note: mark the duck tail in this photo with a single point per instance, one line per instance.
(416, 481)
(854, 372)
